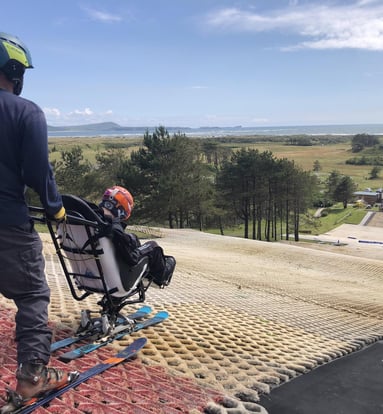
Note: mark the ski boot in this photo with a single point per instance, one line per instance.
(166, 277)
(34, 380)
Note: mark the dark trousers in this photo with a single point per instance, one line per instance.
(22, 279)
(156, 257)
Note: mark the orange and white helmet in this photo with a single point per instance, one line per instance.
(118, 201)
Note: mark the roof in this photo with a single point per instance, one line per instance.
(366, 193)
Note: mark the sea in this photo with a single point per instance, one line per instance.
(208, 132)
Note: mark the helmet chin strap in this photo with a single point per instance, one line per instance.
(14, 71)
(17, 85)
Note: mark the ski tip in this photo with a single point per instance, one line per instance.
(66, 358)
(132, 349)
(138, 343)
(162, 315)
(71, 355)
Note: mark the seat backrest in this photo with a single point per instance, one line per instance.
(91, 255)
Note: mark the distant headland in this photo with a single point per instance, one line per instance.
(113, 129)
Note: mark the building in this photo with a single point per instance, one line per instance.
(369, 197)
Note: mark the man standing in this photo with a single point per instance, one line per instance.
(24, 163)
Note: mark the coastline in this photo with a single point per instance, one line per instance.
(91, 130)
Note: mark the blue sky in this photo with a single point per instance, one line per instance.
(202, 62)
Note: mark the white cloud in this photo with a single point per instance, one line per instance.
(52, 112)
(78, 116)
(259, 121)
(358, 25)
(364, 2)
(84, 112)
(102, 16)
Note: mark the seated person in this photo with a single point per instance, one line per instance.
(117, 205)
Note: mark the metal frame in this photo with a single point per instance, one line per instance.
(110, 306)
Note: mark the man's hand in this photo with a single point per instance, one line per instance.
(60, 216)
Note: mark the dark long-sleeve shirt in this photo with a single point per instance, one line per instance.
(24, 160)
(126, 244)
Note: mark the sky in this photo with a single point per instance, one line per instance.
(195, 63)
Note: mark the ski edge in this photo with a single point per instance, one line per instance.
(88, 348)
(129, 352)
(138, 314)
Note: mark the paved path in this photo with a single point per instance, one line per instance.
(376, 220)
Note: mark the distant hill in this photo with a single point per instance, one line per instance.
(113, 128)
(102, 126)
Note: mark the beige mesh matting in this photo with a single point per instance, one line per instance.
(248, 316)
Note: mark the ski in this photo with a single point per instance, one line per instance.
(124, 355)
(87, 348)
(139, 314)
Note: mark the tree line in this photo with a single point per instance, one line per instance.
(181, 182)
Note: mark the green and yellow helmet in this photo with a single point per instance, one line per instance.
(14, 59)
(12, 48)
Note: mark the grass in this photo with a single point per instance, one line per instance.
(336, 216)
(331, 156)
(91, 146)
(333, 217)
(41, 228)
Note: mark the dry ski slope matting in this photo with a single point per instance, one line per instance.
(246, 316)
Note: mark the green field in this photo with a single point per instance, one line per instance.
(331, 156)
(91, 146)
